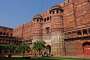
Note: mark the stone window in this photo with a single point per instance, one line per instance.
(50, 12)
(0, 33)
(37, 20)
(89, 30)
(4, 33)
(79, 32)
(47, 18)
(47, 30)
(84, 31)
(44, 19)
(57, 11)
(53, 12)
(61, 10)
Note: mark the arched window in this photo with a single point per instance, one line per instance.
(79, 32)
(47, 18)
(53, 12)
(84, 31)
(61, 10)
(37, 20)
(0, 33)
(89, 30)
(57, 11)
(44, 19)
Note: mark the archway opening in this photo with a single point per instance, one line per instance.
(47, 51)
(86, 48)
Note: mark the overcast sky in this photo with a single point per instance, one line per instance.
(16, 12)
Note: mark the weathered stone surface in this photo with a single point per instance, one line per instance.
(66, 18)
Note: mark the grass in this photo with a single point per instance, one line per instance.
(58, 58)
(43, 58)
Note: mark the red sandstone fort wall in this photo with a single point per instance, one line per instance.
(75, 16)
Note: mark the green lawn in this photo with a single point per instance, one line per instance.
(43, 58)
(58, 58)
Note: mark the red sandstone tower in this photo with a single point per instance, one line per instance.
(57, 40)
(37, 28)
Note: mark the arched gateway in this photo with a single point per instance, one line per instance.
(86, 48)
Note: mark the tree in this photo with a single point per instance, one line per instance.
(39, 45)
(22, 48)
(10, 48)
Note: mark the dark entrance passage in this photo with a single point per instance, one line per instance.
(47, 51)
(86, 48)
(48, 47)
